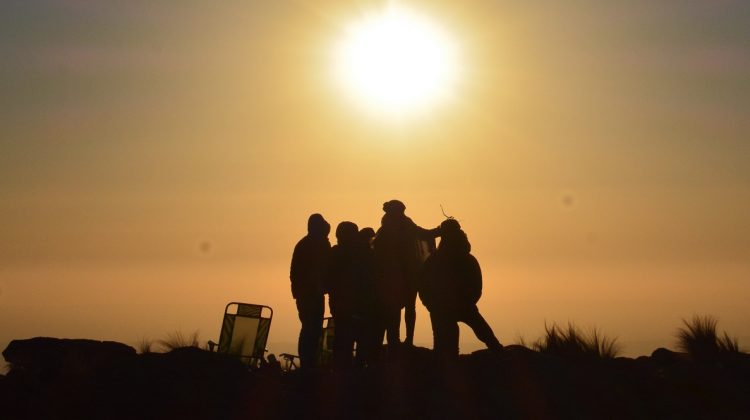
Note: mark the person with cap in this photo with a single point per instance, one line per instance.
(450, 287)
(400, 247)
(307, 275)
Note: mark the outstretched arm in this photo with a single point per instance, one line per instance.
(426, 234)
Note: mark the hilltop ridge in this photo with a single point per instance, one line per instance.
(54, 378)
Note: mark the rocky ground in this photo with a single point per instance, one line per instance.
(53, 378)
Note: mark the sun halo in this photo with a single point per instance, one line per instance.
(396, 62)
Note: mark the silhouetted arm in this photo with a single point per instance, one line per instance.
(422, 233)
(425, 284)
(474, 277)
(296, 270)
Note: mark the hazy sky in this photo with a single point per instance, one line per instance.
(597, 153)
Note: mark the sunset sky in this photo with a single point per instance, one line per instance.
(160, 158)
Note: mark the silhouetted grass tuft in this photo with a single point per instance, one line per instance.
(571, 343)
(521, 341)
(603, 346)
(729, 344)
(699, 338)
(145, 345)
(178, 340)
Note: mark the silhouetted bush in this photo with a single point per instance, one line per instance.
(700, 340)
(571, 343)
(177, 340)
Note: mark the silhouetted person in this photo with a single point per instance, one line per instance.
(308, 270)
(400, 248)
(450, 287)
(349, 282)
(369, 334)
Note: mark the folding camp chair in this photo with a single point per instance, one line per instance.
(325, 348)
(325, 356)
(244, 332)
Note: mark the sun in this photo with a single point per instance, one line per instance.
(396, 61)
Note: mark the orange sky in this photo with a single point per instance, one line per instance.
(595, 153)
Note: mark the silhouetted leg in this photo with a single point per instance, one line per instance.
(343, 342)
(393, 328)
(311, 312)
(410, 317)
(363, 339)
(438, 335)
(377, 344)
(371, 340)
(445, 334)
(380, 332)
(481, 328)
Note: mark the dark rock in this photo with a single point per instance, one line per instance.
(44, 356)
(666, 357)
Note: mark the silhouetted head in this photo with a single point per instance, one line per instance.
(317, 226)
(449, 227)
(394, 206)
(452, 237)
(347, 233)
(365, 236)
(367, 232)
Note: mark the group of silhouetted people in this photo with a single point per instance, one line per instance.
(371, 276)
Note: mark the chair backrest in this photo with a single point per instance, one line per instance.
(326, 342)
(244, 331)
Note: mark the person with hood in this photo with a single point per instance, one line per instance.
(450, 287)
(400, 248)
(307, 274)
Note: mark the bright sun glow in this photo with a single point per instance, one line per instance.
(396, 62)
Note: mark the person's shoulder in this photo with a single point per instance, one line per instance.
(308, 244)
(302, 242)
(411, 225)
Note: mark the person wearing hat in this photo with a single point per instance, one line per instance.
(450, 287)
(307, 275)
(400, 247)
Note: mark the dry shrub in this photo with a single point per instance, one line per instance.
(572, 343)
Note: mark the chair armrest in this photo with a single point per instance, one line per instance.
(289, 359)
(212, 345)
